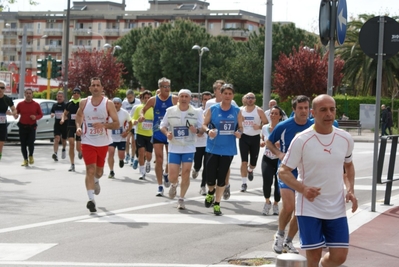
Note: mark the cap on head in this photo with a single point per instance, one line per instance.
(77, 90)
(184, 91)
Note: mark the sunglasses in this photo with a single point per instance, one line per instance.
(2, 87)
(165, 86)
(250, 97)
(228, 85)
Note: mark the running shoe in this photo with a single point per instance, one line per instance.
(194, 174)
(148, 167)
(55, 157)
(97, 188)
(127, 158)
(244, 187)
(172, 191)
(25, 163)
(209, 200)
(278, 243)
(166, 182)
(121, 163)
(203, 191)
(91, 205)
(72, 168)
(80, 156)
(131, 161)
(226, 193)
(216, 210)
(289, 248)
(250, 175)
(63, 153)
(142, 177)
(180, 204)
(160, 191)
(135, 164)
(111, 175)
(266, 208)
(276, 210)
(31, 160)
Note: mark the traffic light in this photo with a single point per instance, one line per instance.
(42, 68)
(56, 68)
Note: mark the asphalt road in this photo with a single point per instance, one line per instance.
(44, 221)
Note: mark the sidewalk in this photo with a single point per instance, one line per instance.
(373, 235)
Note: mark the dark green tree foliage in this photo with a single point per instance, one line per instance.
(304, 72)
(125, 55)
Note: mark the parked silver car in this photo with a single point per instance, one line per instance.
(45, 126)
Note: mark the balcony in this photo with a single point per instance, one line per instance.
(75, 48)
(240, 33)
(29, 48)
(111, 32)
(28, 64)
(53, 32)
(53, 48)
(9, 48)
(82, 32)
(20, 31)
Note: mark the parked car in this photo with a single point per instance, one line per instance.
(45, 126)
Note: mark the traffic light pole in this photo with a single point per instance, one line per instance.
(49, 65)
(21, 86)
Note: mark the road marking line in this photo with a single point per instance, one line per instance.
(184, 219)
(102, 264)
(21, 251)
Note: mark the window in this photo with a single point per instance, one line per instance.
(45, 108)
(99, 27)
(230, 25)
(98, 43)
(211, 26)
(250, 27)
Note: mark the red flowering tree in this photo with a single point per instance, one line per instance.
(304, 72)
(98, 63)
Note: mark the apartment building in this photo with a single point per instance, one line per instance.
(96, 23)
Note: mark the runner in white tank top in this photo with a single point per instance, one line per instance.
(93, 113)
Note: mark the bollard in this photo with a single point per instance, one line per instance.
(291, 260)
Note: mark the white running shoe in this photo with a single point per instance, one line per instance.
(97, 188)
(278, 243)
(180, 204)
(289, 248)
(266, 208)
(194, 174)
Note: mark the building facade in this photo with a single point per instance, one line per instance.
(96, 23)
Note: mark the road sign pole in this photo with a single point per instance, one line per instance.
(331, 49)
(377, 110)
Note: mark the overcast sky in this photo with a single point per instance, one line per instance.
(304, 13)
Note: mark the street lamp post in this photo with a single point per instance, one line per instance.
(201, 51)
(114, 48)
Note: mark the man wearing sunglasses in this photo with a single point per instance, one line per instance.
(160, 103)
(69, 116)
(5, 104)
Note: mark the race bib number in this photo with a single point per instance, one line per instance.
(118, 131)
(3, 118)
(58, 114)
(179, 132)
(93, 132)
(146, 125)
(248, 121)
(73, 116)
(226, 127)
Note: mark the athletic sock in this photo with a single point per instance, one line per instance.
(244, 180)
(90, 193)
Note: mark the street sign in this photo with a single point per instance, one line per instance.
(368, 37)
(324, 21)
(342, 15)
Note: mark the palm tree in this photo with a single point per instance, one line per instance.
(360, 71)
